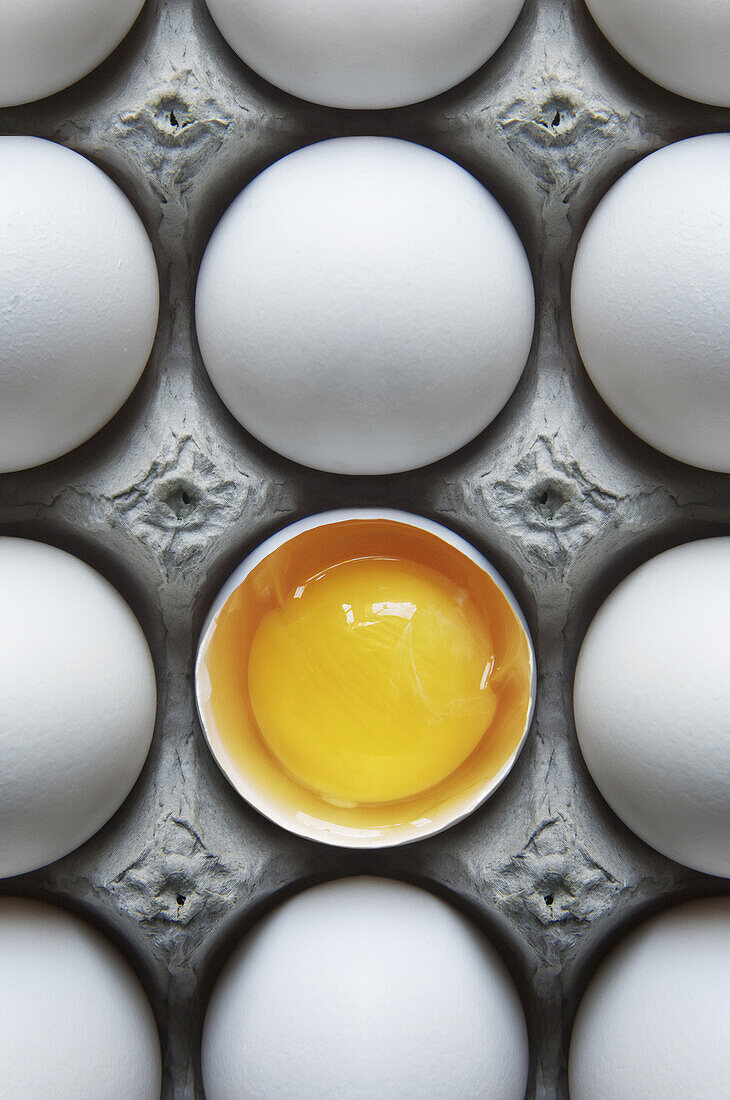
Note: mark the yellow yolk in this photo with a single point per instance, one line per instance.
(365, 674)
(370, 683)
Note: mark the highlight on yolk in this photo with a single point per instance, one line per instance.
(365, 674)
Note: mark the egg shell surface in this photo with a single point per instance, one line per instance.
(77, 698)
(365, 53)
(79, 300)
(45, 45)
(651, 300)
(655, 1020)
(361, 988)
(75, 1023)
(365, 306)
(684, 47)
(652, 703)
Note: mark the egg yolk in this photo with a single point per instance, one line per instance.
(366, 674)
(370, 683)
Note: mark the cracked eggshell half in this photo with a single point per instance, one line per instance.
(257, 775)
(365, 53)
(79, 300)
(365, 306)
(363, 988)
(74, 1019)
(652, 703)
(651, 300)
(46, 45)
(77, 699)
(655, 1019)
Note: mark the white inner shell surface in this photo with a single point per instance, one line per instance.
(652, 703)
(365, 306)
(75, 1023)
(365, 53)
(655, 1020)
(79, 300)
(365, 988)
(651, 300)
(77, 700)
(45, 45)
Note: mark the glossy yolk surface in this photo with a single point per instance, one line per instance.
(370, 683)
(366, 674)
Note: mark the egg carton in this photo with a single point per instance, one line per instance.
(173, 493)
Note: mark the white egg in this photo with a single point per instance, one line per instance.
(684, 47)
(655, 1020)
(365, 53)
(365, 988)
(365, 306)
(77, 698)
(652, 703)
(45, 45)
(75, 1023)
(78, 300)
(651, 300)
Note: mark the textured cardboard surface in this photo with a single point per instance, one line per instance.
(169, 497)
